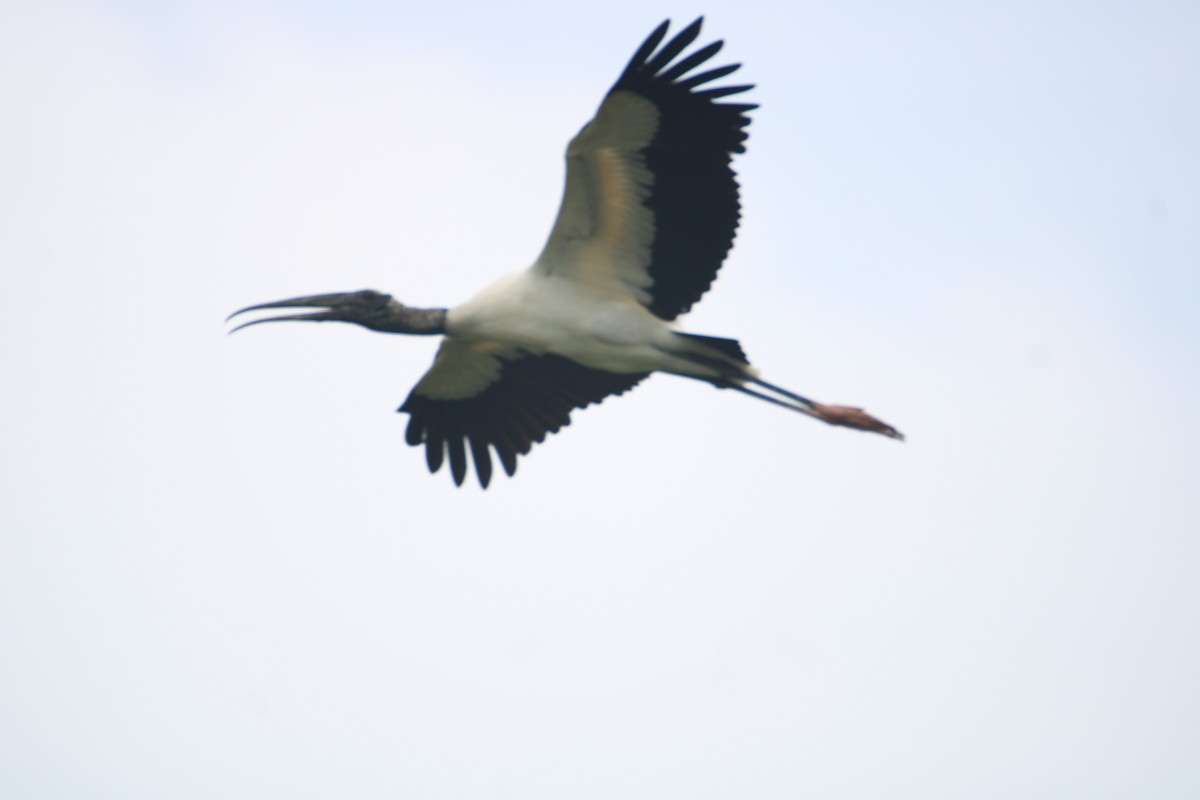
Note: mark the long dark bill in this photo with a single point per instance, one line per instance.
(325, 301)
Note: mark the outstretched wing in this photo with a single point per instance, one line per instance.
(483, 395)
(651, 206)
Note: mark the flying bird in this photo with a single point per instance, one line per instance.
(649, 212)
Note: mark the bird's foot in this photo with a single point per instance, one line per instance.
(850, 417)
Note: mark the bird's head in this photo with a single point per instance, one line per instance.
(367, 307)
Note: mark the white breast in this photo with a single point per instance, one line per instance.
(544, 314)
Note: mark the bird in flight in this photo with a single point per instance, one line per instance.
(649, 212)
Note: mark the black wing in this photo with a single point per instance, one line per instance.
(651, 202)
(486, 397)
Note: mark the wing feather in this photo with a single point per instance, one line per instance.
(480, 397)
(651, 206)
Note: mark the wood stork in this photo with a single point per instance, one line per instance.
(648, 214)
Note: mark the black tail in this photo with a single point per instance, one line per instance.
(730, 348)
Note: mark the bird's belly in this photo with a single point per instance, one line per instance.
(608, 348)
(613, 334)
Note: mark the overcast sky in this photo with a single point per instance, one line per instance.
(224, 575)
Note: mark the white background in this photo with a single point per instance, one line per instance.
(224, 575)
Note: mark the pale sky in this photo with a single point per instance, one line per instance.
(224, 575)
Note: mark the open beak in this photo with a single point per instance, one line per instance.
(329, 302)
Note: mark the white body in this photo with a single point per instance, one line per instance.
(544, 313)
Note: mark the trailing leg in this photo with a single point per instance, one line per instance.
(728, 360)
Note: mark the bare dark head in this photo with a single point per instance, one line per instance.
(367, 307)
